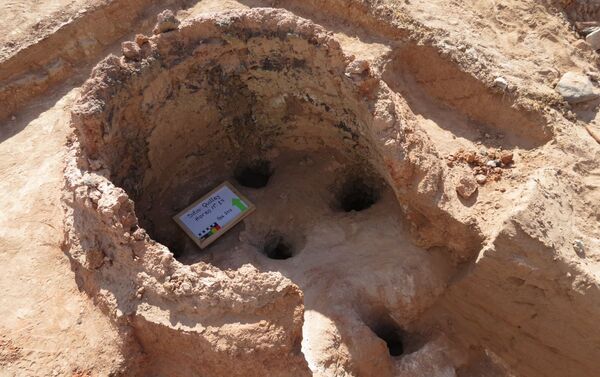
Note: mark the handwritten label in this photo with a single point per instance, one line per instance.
(211, 216)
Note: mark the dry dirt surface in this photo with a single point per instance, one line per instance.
(426, 178)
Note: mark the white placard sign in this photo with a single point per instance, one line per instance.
(211, 216)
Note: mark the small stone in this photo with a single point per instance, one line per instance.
(131, 50)
(481, 179)
(500, 82)
(95, 259)
(141, 39)
(140, 292)
(139, 234)
(581, 45)
(470, 157)
(186, 287)
(13, 118)
(165, 21)
(579, 248)
(506, 158)
(357, 67)
(593, 39)
(466, 187)
(576, 88)
(492, 163)
(95, 164)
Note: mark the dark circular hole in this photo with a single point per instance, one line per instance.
(357, 195)
(254, 175)
(276, 247)
(392, 337)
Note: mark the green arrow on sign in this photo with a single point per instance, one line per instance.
(236, 202)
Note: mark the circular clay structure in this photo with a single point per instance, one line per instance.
(269, 102)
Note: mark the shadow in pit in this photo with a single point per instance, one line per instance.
(355, 23)
(28, 114)
(148, 341)
(393, 337)
(587, 111)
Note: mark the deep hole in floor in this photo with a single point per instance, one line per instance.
(253, 175)
(392, 336)
(277, 247)
(357, 194)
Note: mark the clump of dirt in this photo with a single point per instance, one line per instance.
(488, 164)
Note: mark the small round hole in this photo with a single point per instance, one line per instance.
(254, 175)
(357, 195)
(276, 247)
(392, 338)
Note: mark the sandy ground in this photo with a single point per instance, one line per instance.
(29, 20)
(48, 326)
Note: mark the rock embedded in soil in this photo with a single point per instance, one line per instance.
(471, 157)
(141, 39)
(466, 187)
(576, 88)
(131, 50)
(594, 39)
(506, 158)
(166, 21)
(579, 247)
(357, 67)
(500, 82)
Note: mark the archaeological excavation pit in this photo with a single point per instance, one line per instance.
(263, 100)
(273, 114)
